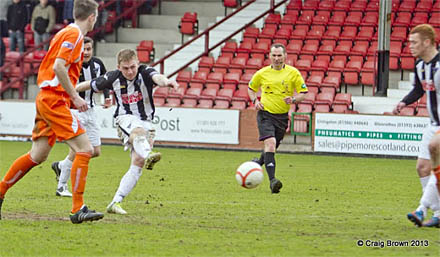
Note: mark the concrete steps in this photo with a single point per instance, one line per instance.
(162, 29)
(379, 105)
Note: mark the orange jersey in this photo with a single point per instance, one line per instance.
(67, 44)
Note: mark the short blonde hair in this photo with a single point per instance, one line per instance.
(126, 55)
(425, 31)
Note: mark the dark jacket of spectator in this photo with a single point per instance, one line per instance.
(17, 16)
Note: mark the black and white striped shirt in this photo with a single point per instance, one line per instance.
(132, 97)
(427, 79)
(90, 70)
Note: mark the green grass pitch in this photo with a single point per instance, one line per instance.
(191, 205)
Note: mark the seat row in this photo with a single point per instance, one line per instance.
(364, 5)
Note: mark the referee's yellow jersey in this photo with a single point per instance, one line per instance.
(276, 85)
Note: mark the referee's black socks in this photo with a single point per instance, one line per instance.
(269, 162)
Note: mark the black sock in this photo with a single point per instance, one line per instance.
(261, 160)
(269, 160)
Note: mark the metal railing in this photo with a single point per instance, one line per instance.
(206, 33)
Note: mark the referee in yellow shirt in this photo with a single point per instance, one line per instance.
(277, 82)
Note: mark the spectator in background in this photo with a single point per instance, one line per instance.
(3, 17)
(102, 19)
(42, 22)
(59, 8)
(68, 12)
(17, 20)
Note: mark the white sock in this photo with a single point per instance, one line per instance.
(65, 166)
(141, 146)
(128, 182)
(424, 182)
(431, 198)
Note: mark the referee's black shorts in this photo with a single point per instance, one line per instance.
(272, 125)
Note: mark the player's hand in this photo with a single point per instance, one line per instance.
(288, 100)
(259, 105)
(80, 104)
(173, 84)
(398, 107)
(107, 103)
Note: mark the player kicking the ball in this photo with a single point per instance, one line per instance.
(132, 85)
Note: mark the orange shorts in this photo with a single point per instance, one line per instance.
(54, 119)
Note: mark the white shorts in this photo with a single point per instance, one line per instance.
(426, 138)
(126, 124)
(89, 121)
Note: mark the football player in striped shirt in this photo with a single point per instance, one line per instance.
(132, 85)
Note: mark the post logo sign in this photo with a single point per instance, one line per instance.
(176, 125)
(369, 134)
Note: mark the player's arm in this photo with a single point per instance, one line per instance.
(63, 77)
(415, 94)
(295, 99)
(106, 91)
(163, 81)
(254, 86)
(300, 88)
(83, 86)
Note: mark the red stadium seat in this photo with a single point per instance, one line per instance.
(294, 47)
(159, 101)
(351, 78)
(332, 32)
(238, 105)
(299, 32)
(360, 48)
(403, 19)
(289, 19)
(205, 103)
(184, 76)
(189, 103)
(161, 92)
(225, 94)
(358, 6)
(245, 78)
(365, 33)
(306, 17)
(337, 19)
(189, 24)
(343, 98)
(229, 47)
(172, 102)
(319, 65)
(332, 80)
(215, 77)
(192, 93)
(353, 19)
(200, 77)
(273, 18)
(315, 32)
(349, 33)
(343, 48)
(206, 62)
(221, 104)
(251, 32)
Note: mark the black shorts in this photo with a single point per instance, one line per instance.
(272, 125)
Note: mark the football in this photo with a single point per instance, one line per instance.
(249, 175)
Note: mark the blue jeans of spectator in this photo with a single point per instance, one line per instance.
(14, 38)
(40, 38)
